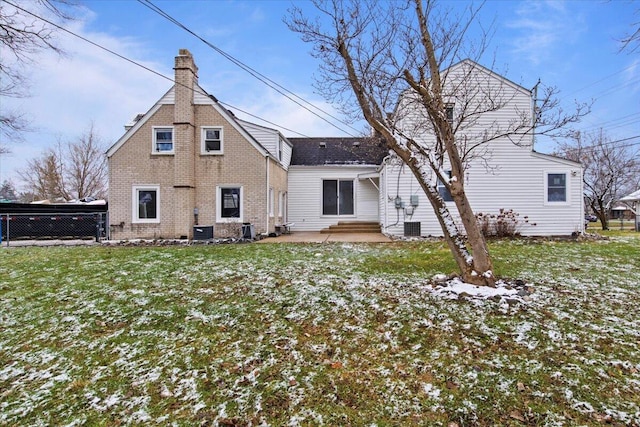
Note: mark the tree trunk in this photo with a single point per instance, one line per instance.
(482, 268)
(475, 269)
(601, 213)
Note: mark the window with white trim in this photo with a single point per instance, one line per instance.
(556, 187)
(229, 204)
(163, 140)
(281, 196)
(146, 204)
(337, 197)
(212, 140)
(272, 202)
(443, 190)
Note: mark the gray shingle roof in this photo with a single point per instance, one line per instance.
(338, 151)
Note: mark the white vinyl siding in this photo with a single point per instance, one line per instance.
(505, 174)
(518, 183)
(305, 195)
(271, 140)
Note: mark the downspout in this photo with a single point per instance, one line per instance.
(383, 197)
(582, 223)
(267, 197)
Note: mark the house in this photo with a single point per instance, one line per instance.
(504, 175)
(633, 202)
(334, 180)
(189, 163)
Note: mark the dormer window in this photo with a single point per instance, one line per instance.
(212, 140)
(163, 140)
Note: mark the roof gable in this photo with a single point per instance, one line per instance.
(201, 97)
(474, 66)
(556, 159)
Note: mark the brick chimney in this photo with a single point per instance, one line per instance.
(184, 127)
(186, 77)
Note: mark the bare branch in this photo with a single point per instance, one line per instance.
(609, 171)
(71, 170)
(22, 36)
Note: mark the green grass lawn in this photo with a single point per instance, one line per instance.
(318, 334)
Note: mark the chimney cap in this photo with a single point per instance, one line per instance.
(184, 52)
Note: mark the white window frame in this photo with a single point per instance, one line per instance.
(354, 196)
(219, 217)
(443, 190)
(272, 202)
(281, 204)
(155, 130)
(203, 141)
(567, 183)
(135, 214)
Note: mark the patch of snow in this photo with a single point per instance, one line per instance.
(458, 287)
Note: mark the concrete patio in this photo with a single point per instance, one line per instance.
(317, 237)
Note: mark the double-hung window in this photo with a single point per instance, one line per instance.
(444, 191)
(212, 140)
(272, 202)
(337, 197)
(556, 187)
(163, 140)
(146, 204)
(229, 205)
(448, 109)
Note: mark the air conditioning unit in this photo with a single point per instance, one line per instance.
(202, 232)
(248, 231)
(412, 229)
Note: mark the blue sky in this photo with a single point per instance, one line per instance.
(573, 45)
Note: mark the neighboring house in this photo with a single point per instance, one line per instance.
(188, 161)
(633, 201)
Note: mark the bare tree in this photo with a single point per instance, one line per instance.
(22, 36)
(376, 53)
(73, 170)
(43, 177)
(610, 170)
(8, 191)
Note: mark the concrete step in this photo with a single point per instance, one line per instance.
(353, 227)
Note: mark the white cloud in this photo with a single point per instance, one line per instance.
(543, 27)
(88, 84)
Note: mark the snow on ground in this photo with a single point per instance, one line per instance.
(310, 335)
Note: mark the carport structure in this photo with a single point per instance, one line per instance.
(633, 201)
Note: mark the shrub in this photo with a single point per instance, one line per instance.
(506, 223)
